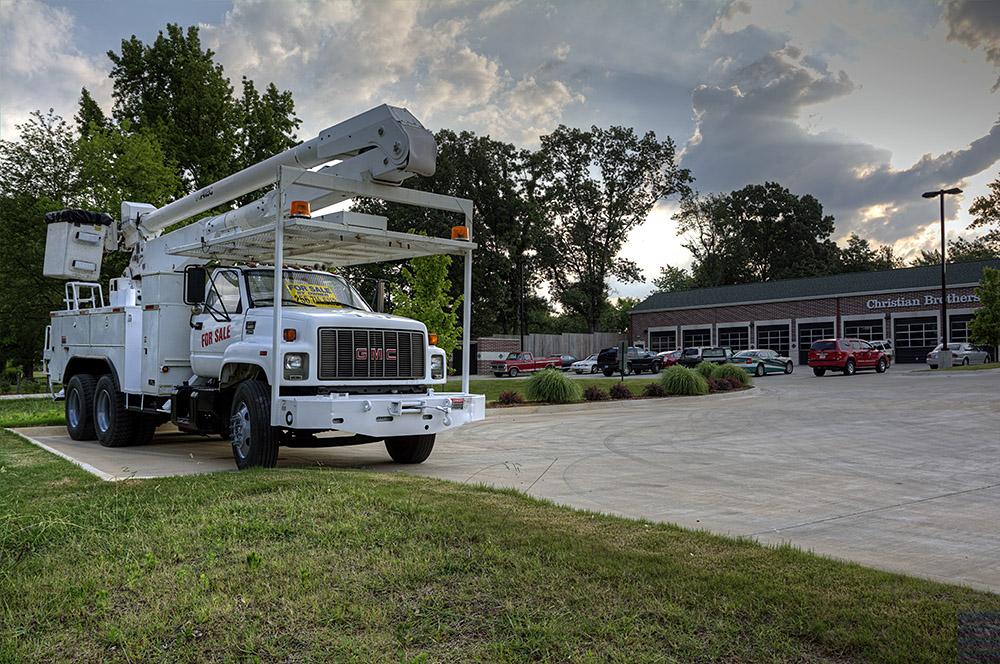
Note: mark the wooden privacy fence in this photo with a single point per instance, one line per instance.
(579, 344)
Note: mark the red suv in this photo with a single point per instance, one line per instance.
(847, 355)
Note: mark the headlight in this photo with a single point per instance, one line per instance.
(437, 367)
(293, 361)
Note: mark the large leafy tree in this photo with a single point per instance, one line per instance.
(175, 90)
(509, 225)
(860, 256)
(784, 235)
(984, 328)
(603, 183)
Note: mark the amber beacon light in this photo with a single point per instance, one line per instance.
(300, 209)
(460, 233)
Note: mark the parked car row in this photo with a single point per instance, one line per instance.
(844, 355)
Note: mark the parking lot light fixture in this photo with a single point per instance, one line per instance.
(944, 357)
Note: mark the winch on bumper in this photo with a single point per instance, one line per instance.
(381, 415)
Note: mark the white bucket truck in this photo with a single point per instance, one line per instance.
(235, 325)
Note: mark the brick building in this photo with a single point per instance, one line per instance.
(903, 305)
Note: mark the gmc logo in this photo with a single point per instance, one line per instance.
(374, 354)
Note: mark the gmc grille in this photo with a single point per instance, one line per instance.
(358, 354)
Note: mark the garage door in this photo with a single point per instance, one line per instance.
(869, 330)
(663, 340)
(810, 332)
(700, 337)
(915, 337)
(737, 338)
(775, 337)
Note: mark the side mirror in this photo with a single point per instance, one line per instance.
(194, 284)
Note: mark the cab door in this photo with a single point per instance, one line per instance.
(220, 323)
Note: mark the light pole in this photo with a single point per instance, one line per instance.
(944, 355)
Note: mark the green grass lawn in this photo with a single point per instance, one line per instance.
(34, 412)
(321, 565)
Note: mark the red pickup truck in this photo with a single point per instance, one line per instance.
(515, 363)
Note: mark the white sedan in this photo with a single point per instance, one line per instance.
(585, 366)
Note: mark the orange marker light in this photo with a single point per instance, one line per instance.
(433, 338)
(460, 233)
(300, 209)
(289, 334)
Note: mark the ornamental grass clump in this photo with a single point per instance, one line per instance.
(552, 386)
(509, 399)
(705, 369)
(732, 371)
(620, 391)
(594, 393)
(683, 381)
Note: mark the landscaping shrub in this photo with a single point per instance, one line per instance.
(734, 382)
(509, 398)
(552, 386)
(732, 371)
(705, 369)
(720, 385)
(594, 393)
(620, 391)
(681, 380)
(654, 390)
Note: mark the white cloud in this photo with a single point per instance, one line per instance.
(41, 67)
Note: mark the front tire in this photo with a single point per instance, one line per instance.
(881, 366)
(850, 368)
(819, 371)
(410, 449)
(760, 371)
(498, 374)
(789, 367)
(113, 424)
(255, 441)
(512, 372)
(965, 362)
(79, 407)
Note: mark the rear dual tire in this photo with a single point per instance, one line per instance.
(79, 407)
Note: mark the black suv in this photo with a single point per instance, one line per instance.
(637, 359)
(692, 357)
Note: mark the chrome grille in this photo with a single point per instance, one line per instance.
(360, 354)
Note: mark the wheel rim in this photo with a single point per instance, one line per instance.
(788, 368)
(239, 431)
(760, 369)
(102, 411)
(74, 408)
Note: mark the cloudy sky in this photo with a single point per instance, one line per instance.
(864, 104)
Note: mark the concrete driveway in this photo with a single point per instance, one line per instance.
(899, 471)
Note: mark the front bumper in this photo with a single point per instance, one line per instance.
(381, 415)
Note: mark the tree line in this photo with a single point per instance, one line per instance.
(552, 220)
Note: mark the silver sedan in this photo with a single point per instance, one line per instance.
(961, 353)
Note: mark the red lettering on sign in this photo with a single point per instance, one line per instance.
(219, 334)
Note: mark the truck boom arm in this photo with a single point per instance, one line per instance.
(400, 147)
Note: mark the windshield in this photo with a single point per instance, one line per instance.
(305, 289)
(513, 356)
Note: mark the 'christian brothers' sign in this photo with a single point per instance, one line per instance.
(929, 300)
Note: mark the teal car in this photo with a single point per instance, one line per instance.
(763, 361)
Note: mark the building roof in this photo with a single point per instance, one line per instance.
(855, 283)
